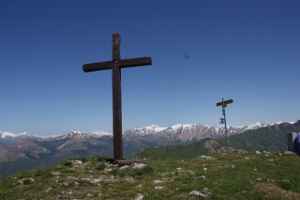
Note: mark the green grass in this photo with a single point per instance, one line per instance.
(226, 176)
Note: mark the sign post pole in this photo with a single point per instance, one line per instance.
(223, 120)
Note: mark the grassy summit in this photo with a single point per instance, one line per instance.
(215, 176)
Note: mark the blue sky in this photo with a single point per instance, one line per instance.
(202, 51)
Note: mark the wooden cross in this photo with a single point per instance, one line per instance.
(116, 64)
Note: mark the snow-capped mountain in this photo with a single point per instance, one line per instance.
(8, 137)
(99, 134)
(182, 132)
(190, 132)
(6, 134)
(148, 130)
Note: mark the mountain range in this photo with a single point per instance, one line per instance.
(22, 151)
(180, 132)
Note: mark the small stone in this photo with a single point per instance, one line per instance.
(204, 157)
(191, 172)
(288, 152)
(26, 181)
(203, 177)
(54, 173)
(157, 181)
(258, 179)
(65, 184)
(139, 197)
(96, 180)
(89, 195)
(246, 158)
(196, 193)
(124, 167)
(48, 190)
(77, 162)
(139, 165)
(159, 187)
(257, 152)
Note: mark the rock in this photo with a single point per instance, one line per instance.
(77, 162)
(26, 181)
(139, 165)
(196, 193)
(159, 187)
(96, 180)
(257, 152)
(211, 145)
(191, 172)
(231, 150)
(54, 173)
(288, 153)
(270, 181)
(139, 197)
(204, 157)
(89, 195)
(157, 181)
(124, 167)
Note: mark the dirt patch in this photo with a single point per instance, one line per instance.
(271, 191)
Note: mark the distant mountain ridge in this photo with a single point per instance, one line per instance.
(19, 152)
(148, 130)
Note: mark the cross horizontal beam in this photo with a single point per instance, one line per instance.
(224, 103)
(124, 63)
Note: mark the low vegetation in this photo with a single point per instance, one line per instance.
(250, 175)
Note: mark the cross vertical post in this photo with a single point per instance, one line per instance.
(117, 99)
(116, 64)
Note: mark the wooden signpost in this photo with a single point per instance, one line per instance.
(223, 120)
(116, 64)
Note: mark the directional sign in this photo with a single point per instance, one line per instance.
(224, 103)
